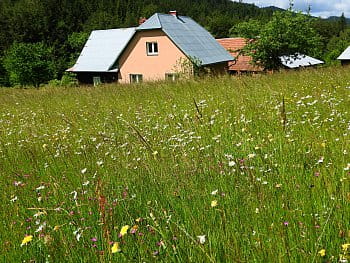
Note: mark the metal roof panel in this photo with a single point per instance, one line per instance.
(345, 55)
(103, 49)
(299, 61)
(151, 23)
(190, 37)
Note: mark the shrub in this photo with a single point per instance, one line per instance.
(29, 64)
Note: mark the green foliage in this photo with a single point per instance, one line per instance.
(68, 80)
(29, 64)
(250, 29)
(288, 33)
(76, 42)
(219, 25)
(337, 45)
(342, 23)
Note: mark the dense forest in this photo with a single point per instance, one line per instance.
(62, 26)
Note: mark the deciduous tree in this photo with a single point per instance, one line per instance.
(29, 64)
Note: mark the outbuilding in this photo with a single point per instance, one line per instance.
(345, 57)
(299, 61)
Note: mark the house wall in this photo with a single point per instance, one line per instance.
(135, 60)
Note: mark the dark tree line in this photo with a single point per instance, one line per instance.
(55, 23)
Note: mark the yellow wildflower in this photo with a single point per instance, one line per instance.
(26, 240)
(322, 252)
(124, 230)
(345, 247)
(323, 145)
(138, 220)
(214, 203)
(56, 228)
(116, 248)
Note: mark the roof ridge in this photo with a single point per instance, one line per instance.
(224, 38)
(161, 26)
(122, 28)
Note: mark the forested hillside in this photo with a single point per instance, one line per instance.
(57, 22)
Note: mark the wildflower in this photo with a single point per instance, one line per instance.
(26, 240)
(201, 239)
(19, 183)
(345, 247)
(161, 243)
(251, 155)
(124, 230)
(77, 234)
(215, 192)
(83, 170)
(56, 228)
(138, 220)
(116, 248)
(286, 223)
(323, 145)
(75, 194)
(94, 239)
(347, 168)
(41, 227)
(134, 229)
(322, 252)
(14, 199)
(214, 203)
(41, 187)
(321, 160)
(231, 163)
(39, 214)
(278, 185)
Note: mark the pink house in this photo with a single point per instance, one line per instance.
(163, 47)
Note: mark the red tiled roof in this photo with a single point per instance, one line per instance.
(242, 63)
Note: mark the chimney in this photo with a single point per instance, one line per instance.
(173, 13)
(142, 20)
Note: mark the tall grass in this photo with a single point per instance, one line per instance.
(231, 169)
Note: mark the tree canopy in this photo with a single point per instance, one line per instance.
(29, 64)
(287, 33)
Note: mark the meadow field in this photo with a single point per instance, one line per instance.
(231, 169)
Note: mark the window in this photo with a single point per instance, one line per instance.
(135, 78)
(152, 48)
(97, 81)
(171, 76)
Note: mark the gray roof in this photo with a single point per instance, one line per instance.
(104, 47)
(102, 50)
(190, 37)
(299, 61)
(345, 55)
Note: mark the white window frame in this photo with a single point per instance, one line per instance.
(138, 78)
(152, 48)
(96, 80)
(171, 76)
